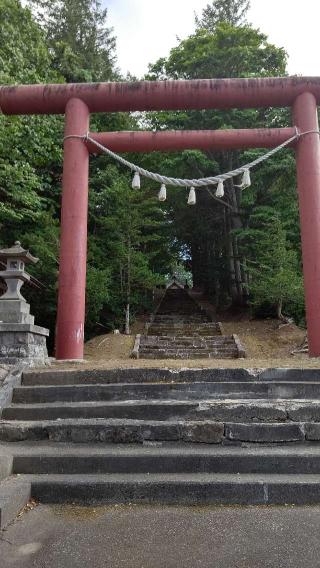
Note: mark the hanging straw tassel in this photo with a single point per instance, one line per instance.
(192, 196)
(162, 195)
(220, 189)
(136, 181)
(246, 180)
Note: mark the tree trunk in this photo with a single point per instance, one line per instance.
(127, 321)
(236, 223)
(230, 253)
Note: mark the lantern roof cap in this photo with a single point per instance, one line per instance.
(17, 251)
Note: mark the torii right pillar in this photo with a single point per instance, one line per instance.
(308, 178)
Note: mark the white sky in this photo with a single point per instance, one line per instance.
(147, 29)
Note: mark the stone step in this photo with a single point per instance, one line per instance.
(164, 341)
(111, 431)
(179, 489)
(138, 431)
(14, 495)
(186, 326)
(189, 347)
(176, 318)
(176, 342)
(192, 345)
(165, 391)
(44, 458)
(174, 332)
(219, 411)
(73, 376)
(171, 348)
(145, 353)
(205, 328)
(173, 322)
(250, 410)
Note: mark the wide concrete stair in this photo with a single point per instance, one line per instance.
(206, 436)
(181, 329)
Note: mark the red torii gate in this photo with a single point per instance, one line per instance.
(77, 101)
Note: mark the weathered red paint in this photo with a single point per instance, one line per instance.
(158, 95)
(73, 241)
(182, 139)
(308, 177)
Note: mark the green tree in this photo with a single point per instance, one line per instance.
(82, 44)
(275, 278)
(230, 11)
(128, 233)
(210, 229)
(30, 158)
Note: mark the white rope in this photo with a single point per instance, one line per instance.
(201, 182)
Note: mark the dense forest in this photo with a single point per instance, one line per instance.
(242, 250)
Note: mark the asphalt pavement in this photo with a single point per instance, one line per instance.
(163, 537)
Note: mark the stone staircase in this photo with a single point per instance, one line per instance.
(203, 436)
(180, 329)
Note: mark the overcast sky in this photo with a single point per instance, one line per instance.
(147, 29)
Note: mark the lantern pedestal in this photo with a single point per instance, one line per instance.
(20, 339)
(23, 341)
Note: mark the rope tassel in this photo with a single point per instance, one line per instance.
(136, 181)
(220, 189)
(192, 196)
(162, 193)
(246, 180)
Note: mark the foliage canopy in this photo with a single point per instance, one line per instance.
(245, 248)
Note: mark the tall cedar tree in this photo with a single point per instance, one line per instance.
(82, 44)
(232, 12)
(212, 242)
(128, 240)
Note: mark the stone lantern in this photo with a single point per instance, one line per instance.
(20, 339)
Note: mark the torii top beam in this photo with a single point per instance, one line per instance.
(158, 95)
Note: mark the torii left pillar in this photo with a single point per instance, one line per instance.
(73, 239)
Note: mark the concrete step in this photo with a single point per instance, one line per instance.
(182, 333)
(181, 318)
(44, 458)
(250, 410)
(167, 391)
(146, 353)
(207, 325)
(134, 375)
(111, 430)
(14, 495)
(199, 488)
(138, 431)
(73, 376)
(221, 411)
(196, 324)
(185, 342)
(187, 348)
(210, 326)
